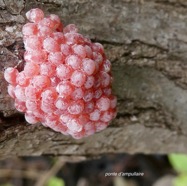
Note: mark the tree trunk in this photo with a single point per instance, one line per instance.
(146, 42)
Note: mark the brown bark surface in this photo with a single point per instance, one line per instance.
(146, 42)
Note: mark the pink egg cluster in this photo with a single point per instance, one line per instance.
(66, 80)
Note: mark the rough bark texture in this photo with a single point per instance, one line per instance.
(146, 42)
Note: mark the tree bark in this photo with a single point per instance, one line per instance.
(146, 42)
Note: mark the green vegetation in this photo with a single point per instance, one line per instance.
(55, 181)
(179, 163)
